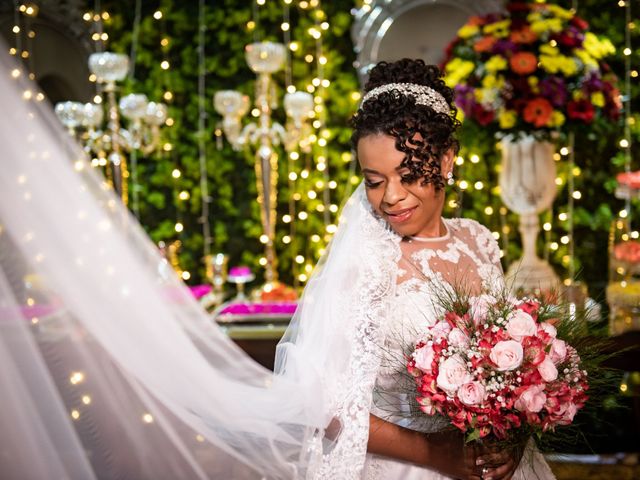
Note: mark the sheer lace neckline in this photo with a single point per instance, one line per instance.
(440, 238)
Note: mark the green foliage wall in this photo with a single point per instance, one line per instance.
(234, 213)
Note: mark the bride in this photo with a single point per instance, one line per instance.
(110, 369)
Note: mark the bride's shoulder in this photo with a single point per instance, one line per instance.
(472, 226)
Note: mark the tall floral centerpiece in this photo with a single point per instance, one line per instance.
(524, 75)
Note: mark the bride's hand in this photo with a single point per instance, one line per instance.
(449, 455)
(498, 463)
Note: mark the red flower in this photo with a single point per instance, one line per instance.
(523, 63)
(483, 116)
(531, 307)
(538, 112)
(581, 110)
(579, 23)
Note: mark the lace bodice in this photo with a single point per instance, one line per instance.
(468, 257)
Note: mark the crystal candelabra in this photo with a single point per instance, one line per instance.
(108, 143)
(264, 59)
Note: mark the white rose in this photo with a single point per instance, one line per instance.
(453, 373)
(520, 324)
(472, 393)
(507, 355)
(423, 357)
(548, 370)
(458, 338)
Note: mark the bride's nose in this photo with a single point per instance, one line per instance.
(394, 192)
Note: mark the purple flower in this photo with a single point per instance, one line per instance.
(593, 83)
(555, 90)
(503, 47)
(465, 98)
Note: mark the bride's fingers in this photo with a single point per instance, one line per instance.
(493, 458)
(503, 472)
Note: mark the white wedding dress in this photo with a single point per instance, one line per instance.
(466, 256)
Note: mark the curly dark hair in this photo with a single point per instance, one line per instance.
(421, 133)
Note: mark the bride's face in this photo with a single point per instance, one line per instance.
(411, 209)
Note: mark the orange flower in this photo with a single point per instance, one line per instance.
(476, 20)
(484, 44)
(524, 35)
(538, 112)
(523, 63)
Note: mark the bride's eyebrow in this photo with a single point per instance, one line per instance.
(371, 171)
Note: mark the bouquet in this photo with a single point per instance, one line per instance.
(496, 367)
(534, 68)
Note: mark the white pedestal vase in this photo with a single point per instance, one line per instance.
(527, 187)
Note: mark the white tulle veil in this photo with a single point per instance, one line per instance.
(110, 369)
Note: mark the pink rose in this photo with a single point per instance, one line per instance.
(453, 373)
(423, 358)
(507, 355)
(472, 393)
(480, 307)
(565, 413)
(549, 329)
(520, 324)
(532, 399)
(558, 351)
(440, 330)
(548, 370)
(458, 338)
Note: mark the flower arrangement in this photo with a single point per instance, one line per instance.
(496, 367)
(534, 68)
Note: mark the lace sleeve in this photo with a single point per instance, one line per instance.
(485, 242)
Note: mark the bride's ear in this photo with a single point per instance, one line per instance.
(446, 164)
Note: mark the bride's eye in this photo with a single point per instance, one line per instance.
(371, 184)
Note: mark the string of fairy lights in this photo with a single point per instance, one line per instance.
(623, 223)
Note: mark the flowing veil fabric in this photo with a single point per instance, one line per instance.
(110, 369)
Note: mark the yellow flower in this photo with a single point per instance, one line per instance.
(547, 25)
(460, 115)
(597, 48)
(577, 95)
(547, 49)
(560, 12)
(507, 118)
(456, 71)
(597, 98)
(496, 26)
(550, 63)
(495, 63)
(557, 119)
(569, 66)
(587, 60)
(533, 83)
(534, 16)
(467, 31)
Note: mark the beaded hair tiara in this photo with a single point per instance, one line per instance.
(422, 94)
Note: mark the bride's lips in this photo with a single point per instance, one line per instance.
(400, 216)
